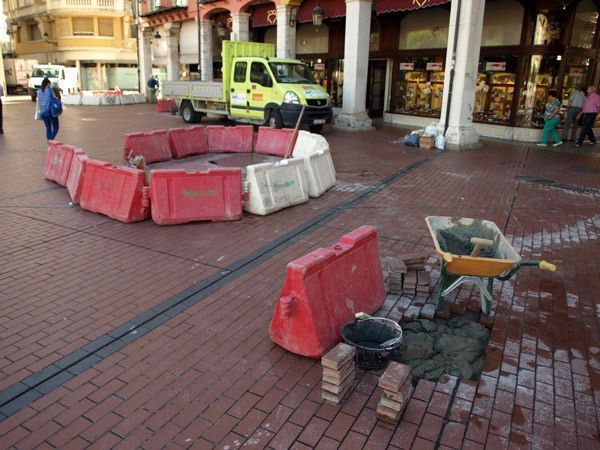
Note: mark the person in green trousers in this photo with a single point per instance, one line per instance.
(551, 120)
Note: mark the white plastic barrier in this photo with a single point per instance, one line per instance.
(139, 98)
(128, 99)
(274, 186)
(320, 172)
(112, 99)
(91, 100)
(309, 143)
(71, 99)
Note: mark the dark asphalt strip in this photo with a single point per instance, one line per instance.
(51, 377)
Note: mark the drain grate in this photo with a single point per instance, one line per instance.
(567, 187)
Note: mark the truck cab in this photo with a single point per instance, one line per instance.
(59, 76)
(274, 90)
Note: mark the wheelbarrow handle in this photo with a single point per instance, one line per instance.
(545, 265)
(527, 262)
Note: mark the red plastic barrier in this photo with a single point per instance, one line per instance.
(165, 105)
(188, 141)
(236, 139)
(153, 146)
(118, 192)
(274, 142)
(324, 289)
(178, 196)
(76, 175)
(58, 162)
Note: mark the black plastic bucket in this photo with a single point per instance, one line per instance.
(375, 338)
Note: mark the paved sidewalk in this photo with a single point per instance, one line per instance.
(200, 370)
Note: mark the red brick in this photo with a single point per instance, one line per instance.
(277, 418)
(286, 435)
(439, 404)
(453, 433)
(415, 411)
(404, 435)
(380, 437)
(431, 427)
(500, 423)
(365, 422)
(424, 390)
(313, 432)
(477, 429)
(354, 440)
(460, 410)
(340, 426)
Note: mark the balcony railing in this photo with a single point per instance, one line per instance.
(154, 6)
(91, 5)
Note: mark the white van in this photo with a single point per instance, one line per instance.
(63, 77)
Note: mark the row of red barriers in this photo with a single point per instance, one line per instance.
(157, 146)
(122, 193)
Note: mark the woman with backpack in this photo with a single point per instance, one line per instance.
(49, 108)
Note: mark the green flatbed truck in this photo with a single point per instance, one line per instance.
(256, 88)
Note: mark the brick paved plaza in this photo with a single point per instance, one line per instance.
(139, 336)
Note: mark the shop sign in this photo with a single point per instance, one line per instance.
(407, 66)
(435, 66)
(495, 66)
(319, 66)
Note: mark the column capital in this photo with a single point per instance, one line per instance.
(359, 1)
(171, 26)
(241, 15)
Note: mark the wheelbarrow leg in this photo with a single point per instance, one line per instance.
(443, 285)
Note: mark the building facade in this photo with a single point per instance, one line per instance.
(93, 35)
(394, 58)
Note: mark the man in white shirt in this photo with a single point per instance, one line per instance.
(575, 106)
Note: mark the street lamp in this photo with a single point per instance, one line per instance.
(317, 15)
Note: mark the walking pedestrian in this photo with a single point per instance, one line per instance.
(575, 106)
(44, 96)
(1, 95)
(153, 85)
(589, 112)
(551, 120)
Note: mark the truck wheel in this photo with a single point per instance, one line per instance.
(315, 128)
(189, 114)
(275, 120)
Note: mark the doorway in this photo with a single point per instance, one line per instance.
(376, 88)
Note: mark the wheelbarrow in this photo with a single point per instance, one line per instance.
(472, 250)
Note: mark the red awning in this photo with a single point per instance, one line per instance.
(331, 9)
(386, 6)
(264, 15)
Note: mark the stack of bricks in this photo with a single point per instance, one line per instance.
(410, 276)
(397, 390)
(338, 372)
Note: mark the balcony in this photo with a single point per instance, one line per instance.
(151, 7)
(115, 6)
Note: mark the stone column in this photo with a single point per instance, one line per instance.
(206, 57)
(78, 67)
(462, 60)
(286, 35)
(145, 57)
(356, 56)
(240, 26)
(100, 75)
(172, 38)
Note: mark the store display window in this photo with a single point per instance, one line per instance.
(541, 76)
(419, 86)
(495, 90)
(584, 26)
(426, 28)
(502, 23)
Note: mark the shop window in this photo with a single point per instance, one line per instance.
(541, 76)
(83, 26)
(239, 74)
(34, 32)
(575, 76)
(375, 35)
(495, 90)
(271, 36)
(548, 29)
(337, 82)
(502, 23)
(105, 27)
(311, 39)
(419, 86)
(426, 28)
(584, 26)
